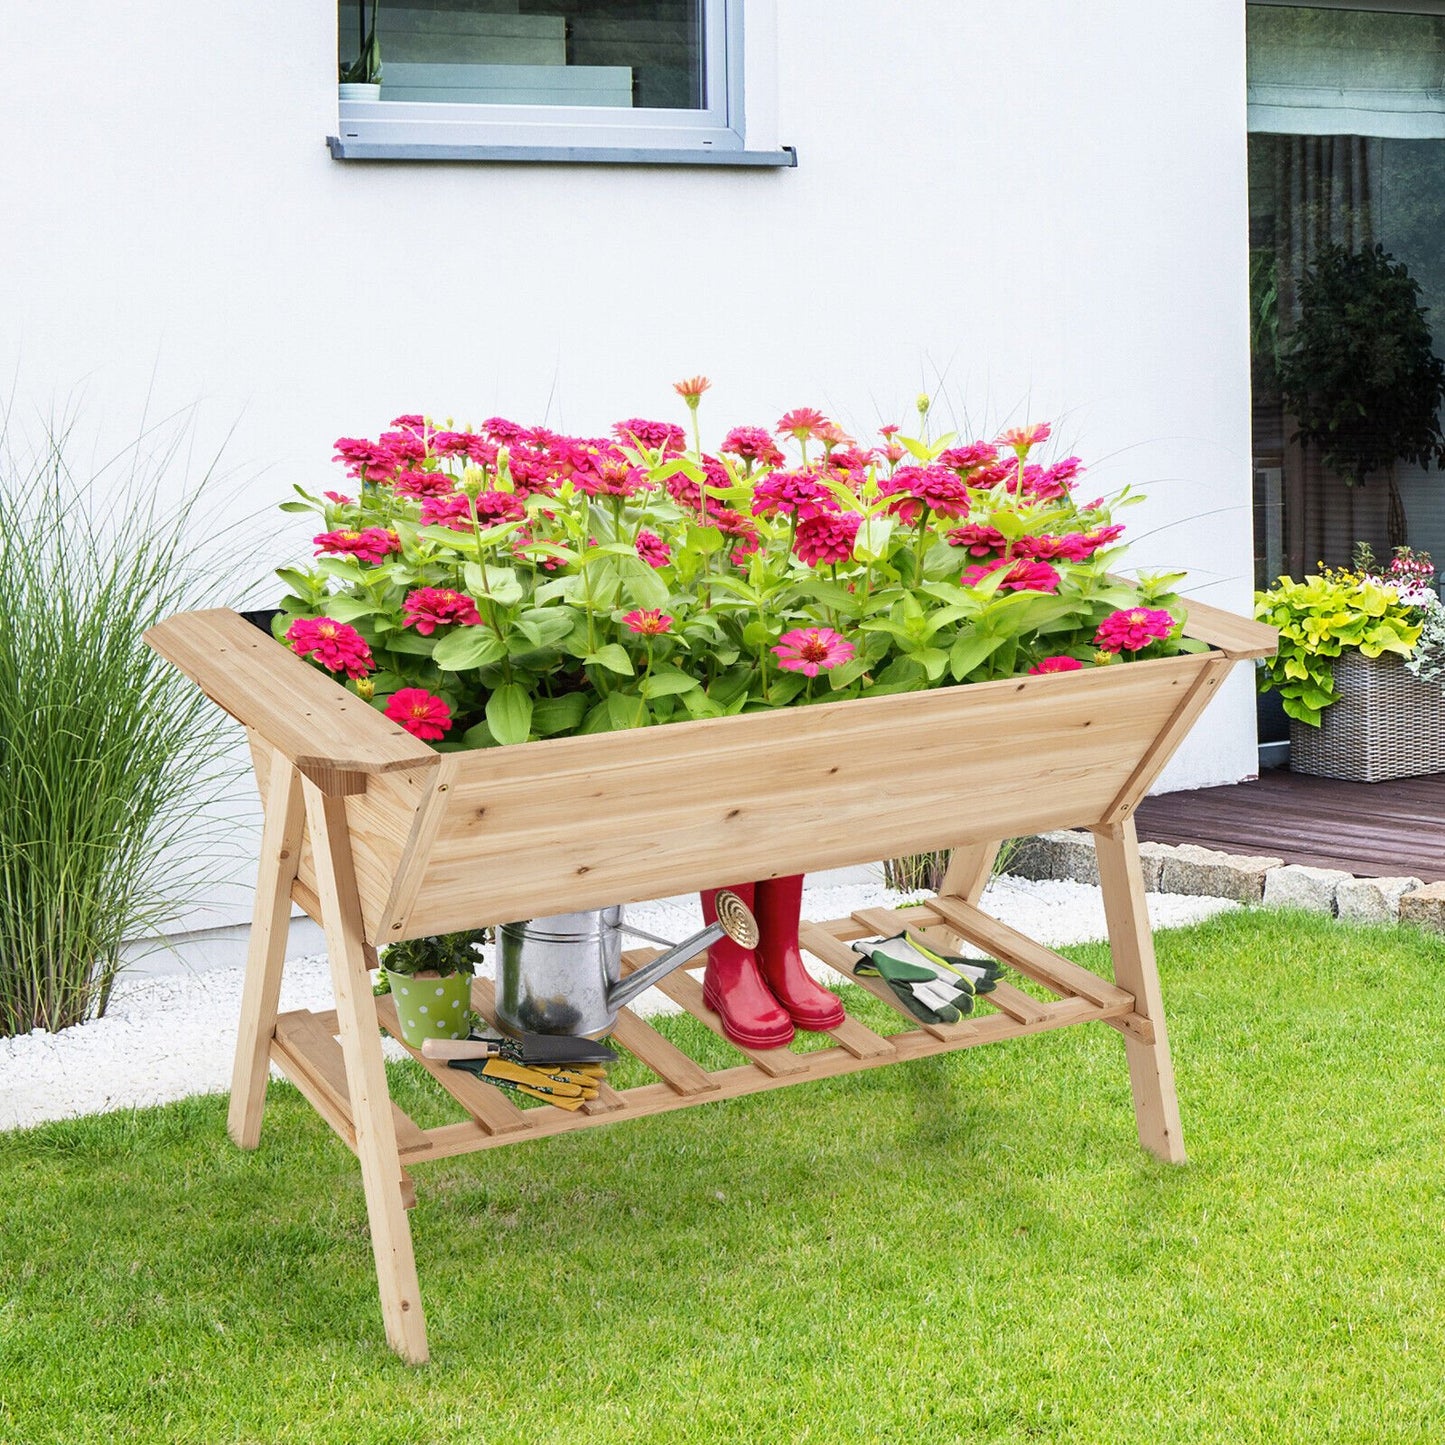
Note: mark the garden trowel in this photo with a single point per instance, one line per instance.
(524, 1049)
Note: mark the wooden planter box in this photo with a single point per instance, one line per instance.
(1387, 724)
(380, 838)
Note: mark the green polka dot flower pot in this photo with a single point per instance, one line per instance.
(432, 1008)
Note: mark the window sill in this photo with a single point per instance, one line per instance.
(343, 149)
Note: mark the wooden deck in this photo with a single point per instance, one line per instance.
(1378, 830)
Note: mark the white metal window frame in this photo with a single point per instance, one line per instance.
(458, 131)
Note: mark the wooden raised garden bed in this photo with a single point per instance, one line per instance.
(380, 838)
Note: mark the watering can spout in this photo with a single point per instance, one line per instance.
(734, 920)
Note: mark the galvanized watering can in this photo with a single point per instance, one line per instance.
(563, 974)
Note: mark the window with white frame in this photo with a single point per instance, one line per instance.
(634, 76)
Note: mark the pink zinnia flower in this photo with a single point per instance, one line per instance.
(890, 431)
(340, 498)
(494, 507)
(1057, 664)
(752, 444)
(367, 461)
(453, 511)
(802, 422)
(412, 421)
(653, 550)
(968, 458)
(499, 429)
(422, 484)
(1102, 536)
(335, 645)
(427, 608)
(826, 540)
(649, 621)
(1020, 439)
(1022, 576)
(1072, 547)
(793, 493)
(652, 436)
(812, 650)
(371, 544)
(978, 539)
(421, 713)
(936, 488)
(852, 461)
(734, 524)
(1133, 628)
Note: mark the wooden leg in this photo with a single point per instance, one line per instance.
(266, 953)
(969, 870)
(381, 1172)
(1151, 1071)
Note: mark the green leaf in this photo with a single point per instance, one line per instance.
(509, 713)
(614, 658)
(667, 682)
(500, 584)
(469, 647)
(625, 710)
(349, 609)
(970, 651)
(932, 660)
(786, 688)
(479, 736)
(553, 715)
(566, 588)
(546, 626)
(641, 584)
(297, 507)
(302, 583)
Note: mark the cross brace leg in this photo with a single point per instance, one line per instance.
(1151, 1071)
(381, 1172)
(270, 926)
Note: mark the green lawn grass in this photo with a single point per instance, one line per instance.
(964, 1248)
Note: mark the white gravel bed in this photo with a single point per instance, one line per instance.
(167, 1037)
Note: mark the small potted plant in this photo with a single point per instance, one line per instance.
(431, 981)
(1347, 639)
(361, 78)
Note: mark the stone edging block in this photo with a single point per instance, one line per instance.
(1205, 873)
(1425, 907)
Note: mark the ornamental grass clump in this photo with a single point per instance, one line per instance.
(107, 757)
(502, 583)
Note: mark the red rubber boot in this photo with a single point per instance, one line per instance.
(733, 987)
(780, 960)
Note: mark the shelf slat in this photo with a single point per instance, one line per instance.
(311, 1058)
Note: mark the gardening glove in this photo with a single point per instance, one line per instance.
(982, 973)
(562, 1088)
(916, 985)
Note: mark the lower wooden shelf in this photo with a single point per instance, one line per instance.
(306, 1049)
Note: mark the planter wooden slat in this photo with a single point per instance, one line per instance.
(400, 841)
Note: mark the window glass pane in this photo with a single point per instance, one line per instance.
(617, 53)
(1346, 155)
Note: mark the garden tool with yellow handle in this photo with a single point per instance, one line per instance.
(567, 1088)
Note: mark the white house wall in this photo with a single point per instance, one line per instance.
(1042, 204)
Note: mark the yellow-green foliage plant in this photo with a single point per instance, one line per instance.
(1320, 618)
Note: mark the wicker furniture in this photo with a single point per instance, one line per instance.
(1387, 724)
(379, 837)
